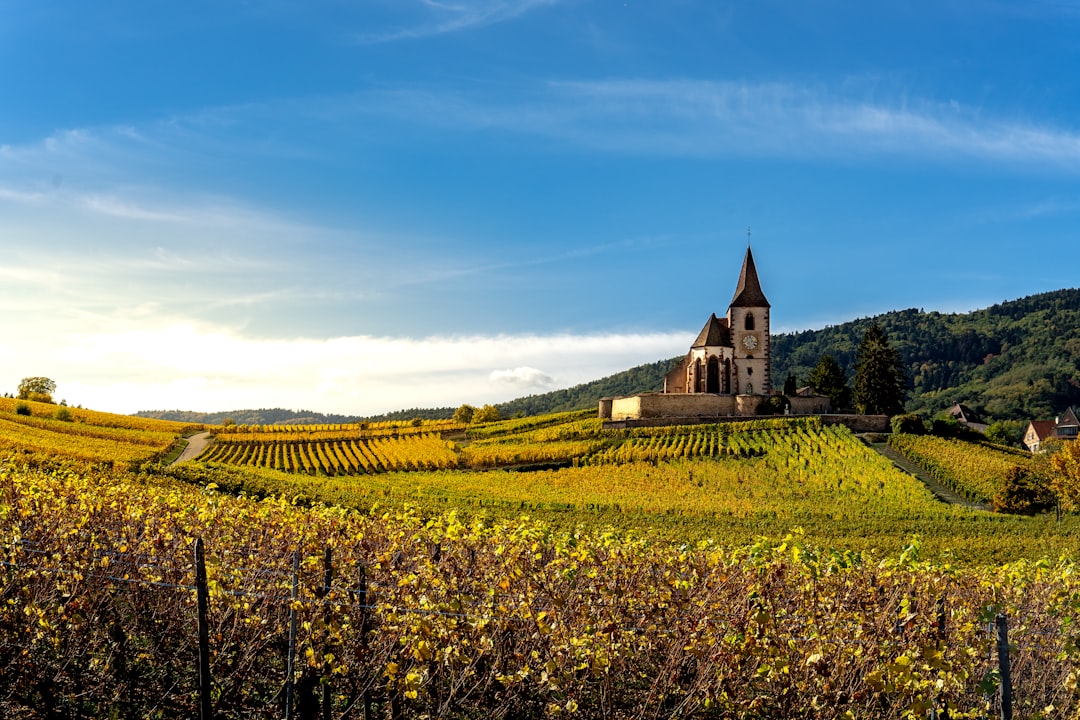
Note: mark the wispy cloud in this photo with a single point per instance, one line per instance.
(441, 18)
(701, 118)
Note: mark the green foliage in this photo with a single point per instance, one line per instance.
(791, 385)
(487, 414)
(464, 414)
(1006, 432)
(63, 414)
(879, 375)
(946, 426)
(775, 405)
(1023, 493)
(643, 378)
(828, 378)
(22, 408)
(1020, 359)
(909, 423)
(39, 389)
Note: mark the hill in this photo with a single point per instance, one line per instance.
(1015, 360)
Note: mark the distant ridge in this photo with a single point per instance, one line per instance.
(1015, 360)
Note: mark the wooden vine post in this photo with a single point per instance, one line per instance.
(202, 595)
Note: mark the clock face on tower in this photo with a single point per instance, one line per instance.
(749, 342)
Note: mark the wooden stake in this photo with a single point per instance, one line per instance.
(289, 669)
(1005, 688)
(202, 595)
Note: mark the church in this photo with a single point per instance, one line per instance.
(727, 372)
(731, 354)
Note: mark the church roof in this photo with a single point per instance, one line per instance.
(713, 334)
(748, 293)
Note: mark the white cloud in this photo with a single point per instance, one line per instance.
(146, 362)
(522, 377)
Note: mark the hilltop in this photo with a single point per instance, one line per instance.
(1014, 360)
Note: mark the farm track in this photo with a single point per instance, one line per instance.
(941, 492)
(196, 444)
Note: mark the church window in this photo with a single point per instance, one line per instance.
(749, 322)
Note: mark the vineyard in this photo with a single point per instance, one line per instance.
(87, 436)
(768, 568)
(975, 471)
(404, 616)
(414, 451)
(734, 482)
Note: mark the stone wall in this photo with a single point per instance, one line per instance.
(693, 405)
(809, 404)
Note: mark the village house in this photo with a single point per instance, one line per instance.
(1062, 428)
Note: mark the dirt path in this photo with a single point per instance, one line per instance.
(941, 492)
(195, 446)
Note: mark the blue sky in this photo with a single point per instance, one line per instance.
(364, 206)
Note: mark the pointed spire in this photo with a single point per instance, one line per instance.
(748, 293)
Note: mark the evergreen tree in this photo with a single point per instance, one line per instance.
(828, 379)
(791, 384)
(880, 385)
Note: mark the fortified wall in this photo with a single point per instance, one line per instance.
(646, 406)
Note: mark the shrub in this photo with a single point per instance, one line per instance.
(22, 408)
(1006, 432)
(464, 414)
(488, 413)
(946, 427)
(909, 423)
(1023, 493)
(62, 413)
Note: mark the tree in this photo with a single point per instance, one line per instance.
(488, 413)
(1006, 432)
(1065, 481)
(1023, 493)
(880, 385)
(828, 378)
(464, 414)
(791, 385)
(39, 389)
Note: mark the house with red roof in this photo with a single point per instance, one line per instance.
(1062, 428)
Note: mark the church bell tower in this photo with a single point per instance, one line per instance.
(748, 322)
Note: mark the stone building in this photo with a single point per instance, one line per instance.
(727, 371)
(731, 354)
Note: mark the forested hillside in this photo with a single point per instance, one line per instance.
(1016, 360)
(1019, 359)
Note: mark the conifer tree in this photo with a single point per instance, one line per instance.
(880, 385)
(828, 379)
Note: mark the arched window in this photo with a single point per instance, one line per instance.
(749, 323)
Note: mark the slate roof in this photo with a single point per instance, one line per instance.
(965, 414)
(748, 293)
(713, 334)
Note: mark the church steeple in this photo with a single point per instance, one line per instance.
(748, 293)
